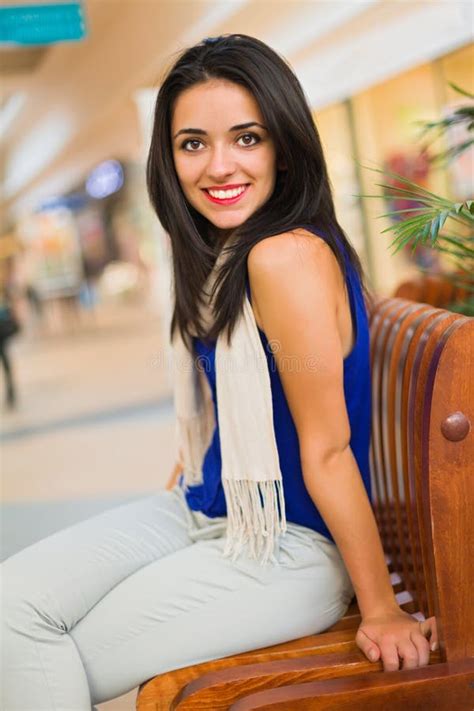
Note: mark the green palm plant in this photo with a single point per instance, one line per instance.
(435, 221)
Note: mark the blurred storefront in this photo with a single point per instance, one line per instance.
(91, 246)
(378, 128)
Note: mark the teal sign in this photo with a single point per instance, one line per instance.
(41, 24)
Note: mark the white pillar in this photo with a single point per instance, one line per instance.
(162, 277)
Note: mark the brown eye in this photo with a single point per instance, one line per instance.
(250, 139)
(194, 143)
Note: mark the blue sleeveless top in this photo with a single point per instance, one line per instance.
(209, 498)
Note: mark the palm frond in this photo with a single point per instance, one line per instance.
(454, 253)
(458, 244)
(457, 88)
(427, 215)
(450, 154)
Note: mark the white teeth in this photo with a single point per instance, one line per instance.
(226, 194)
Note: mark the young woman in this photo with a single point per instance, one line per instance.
(269, 531)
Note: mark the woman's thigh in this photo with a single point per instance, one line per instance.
(197, 605)
(65, 575)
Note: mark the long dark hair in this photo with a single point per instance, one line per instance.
(302, 193)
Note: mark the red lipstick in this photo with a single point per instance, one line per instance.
(225, 201)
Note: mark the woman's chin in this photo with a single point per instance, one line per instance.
(226, 223)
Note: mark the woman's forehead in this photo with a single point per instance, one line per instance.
(215, 104)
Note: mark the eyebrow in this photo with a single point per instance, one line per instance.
(238, 127)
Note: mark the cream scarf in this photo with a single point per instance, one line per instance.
(251, 475)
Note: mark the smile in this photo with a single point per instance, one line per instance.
(229, 196)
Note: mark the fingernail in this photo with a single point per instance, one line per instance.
(434, 647)
(372, 656)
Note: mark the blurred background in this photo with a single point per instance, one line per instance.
(87, 415)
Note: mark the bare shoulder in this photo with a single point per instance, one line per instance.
(291, 255)
(294, 275)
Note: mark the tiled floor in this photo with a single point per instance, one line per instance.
(94, 426)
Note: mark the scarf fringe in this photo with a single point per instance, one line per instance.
(253, 518)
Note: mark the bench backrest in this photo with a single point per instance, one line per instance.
(422, 459)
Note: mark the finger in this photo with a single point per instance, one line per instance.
(408, 653)
(430, 630)
(389, 654)
(434, 641)
(423, 648)
(367, 646)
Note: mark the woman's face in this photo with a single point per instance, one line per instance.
(224, 156)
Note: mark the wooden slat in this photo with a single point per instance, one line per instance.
(218, 690)
(407, 340)
(391, 407)
(158, 693)
(376, 323)
(381, 473)
(444, 687)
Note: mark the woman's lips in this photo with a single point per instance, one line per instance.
(226, 201)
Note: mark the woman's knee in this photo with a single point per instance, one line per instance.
(27, 613)
(28, 606)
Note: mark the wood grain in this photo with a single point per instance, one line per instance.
(423, 498)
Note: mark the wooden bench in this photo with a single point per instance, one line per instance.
(423, 495)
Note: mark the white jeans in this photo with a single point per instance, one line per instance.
(94, 610)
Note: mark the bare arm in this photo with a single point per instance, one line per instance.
(296, 286)
(335, 485)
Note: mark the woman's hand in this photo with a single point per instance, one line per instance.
(173, 480)
(395, 634)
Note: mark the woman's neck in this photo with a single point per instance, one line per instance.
(220, 237)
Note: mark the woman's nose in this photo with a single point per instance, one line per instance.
(221, 163)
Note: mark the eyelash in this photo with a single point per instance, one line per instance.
(193, 140)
